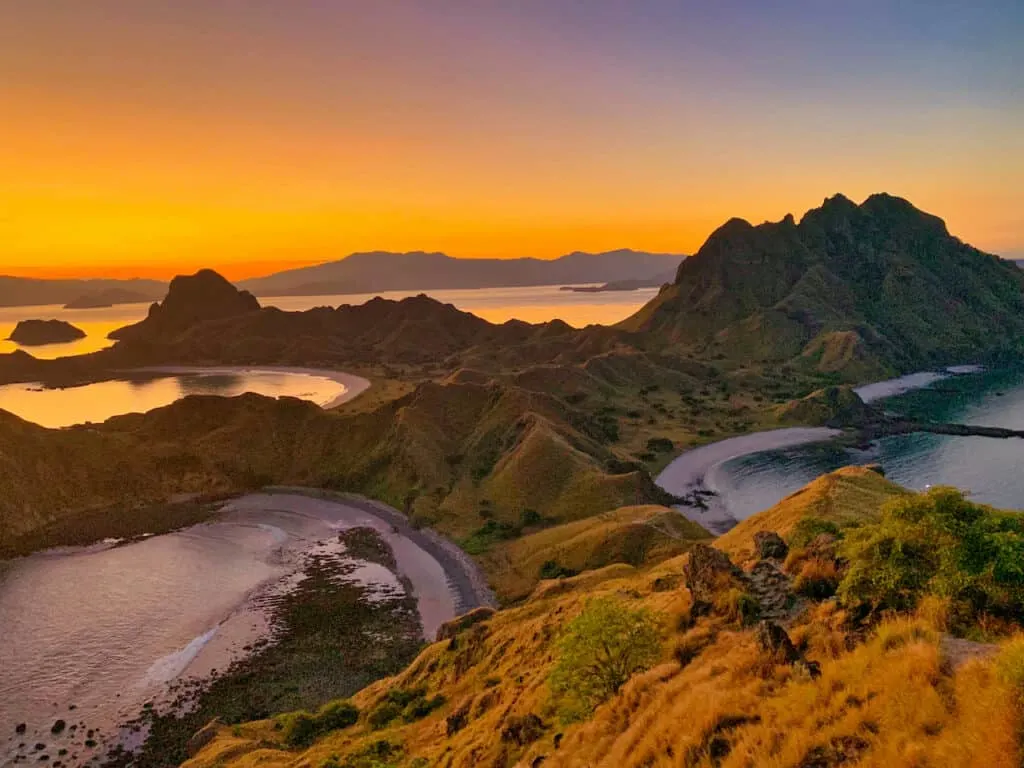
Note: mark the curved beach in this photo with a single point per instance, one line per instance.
(691, 471)
(694, 471)
(353, 385)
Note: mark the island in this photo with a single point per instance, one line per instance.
(622, 285)
(108, 297)
(36, 333)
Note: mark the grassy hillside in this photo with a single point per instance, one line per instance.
(892, 690)
(848, 495)
(854, 291)
(632, 535)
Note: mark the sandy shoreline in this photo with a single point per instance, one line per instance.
(354, 385)
(695, 469)
(691, 471)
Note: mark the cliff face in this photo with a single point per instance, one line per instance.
(867, 289)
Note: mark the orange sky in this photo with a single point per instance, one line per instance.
(153, 140)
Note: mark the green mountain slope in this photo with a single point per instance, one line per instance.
(859, 290)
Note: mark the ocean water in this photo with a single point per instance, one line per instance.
(990, 471)
(534, 304)
(92, 634)
(143, 392)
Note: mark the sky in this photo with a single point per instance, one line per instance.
(152, 137)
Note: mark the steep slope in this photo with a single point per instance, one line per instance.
(632, 535)
(456, 456)
(725, 693)
(857, 290)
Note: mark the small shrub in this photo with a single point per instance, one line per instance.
(551, 569)
(660, 445)
(809, 528)
(421, 707)
(1010, 664)
(602, 648)
(530, 517)
(817, 580)
(300, 729)
(384, 714)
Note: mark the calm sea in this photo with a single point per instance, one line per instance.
(535, 304)
(991, 471)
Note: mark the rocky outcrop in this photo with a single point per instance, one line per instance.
(772, 589)
(708, 571)
(770, 545)
(34, 333)
(190, 301)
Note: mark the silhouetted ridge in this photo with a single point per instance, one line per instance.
(191, 300)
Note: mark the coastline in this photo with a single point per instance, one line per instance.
(354, 385)
(692, 473)
(288, 620)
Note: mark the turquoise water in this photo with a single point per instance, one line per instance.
(990, 471)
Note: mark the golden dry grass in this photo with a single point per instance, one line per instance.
(633, 535)
(848, 495)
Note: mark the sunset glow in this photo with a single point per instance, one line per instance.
(145, 138)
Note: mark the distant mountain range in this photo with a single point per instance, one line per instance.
(373, 272)
(29, 292)
(419, 271)
(856, 290)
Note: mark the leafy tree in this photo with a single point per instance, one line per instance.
(937, 543)
(602, 648)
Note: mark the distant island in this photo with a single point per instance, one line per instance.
(623, 285)
(36, 333)
(371, 272)
(108, 297)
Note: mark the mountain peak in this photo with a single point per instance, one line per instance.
(191, 299)
(874, 288)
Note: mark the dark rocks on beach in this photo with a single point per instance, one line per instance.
(39, 747)
(21, 728)
(58, 727)
(770, 545)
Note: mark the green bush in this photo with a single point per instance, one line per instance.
(809, 528)
(551, 569)
(410, 704)
(602, 648)
(384, 714)
(937, 543)
(300, 729)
